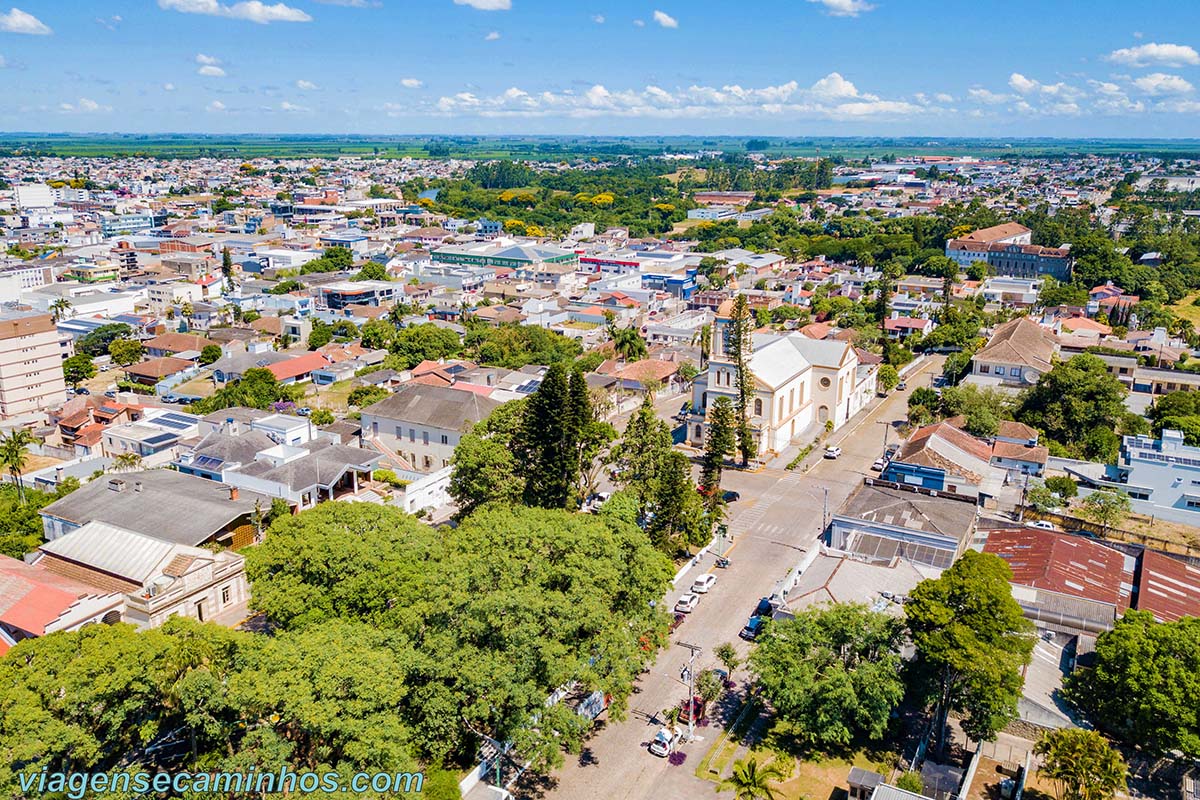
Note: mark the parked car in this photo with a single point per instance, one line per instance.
(765, 608)
(664, 742)
(304, 411)
(833, 452)
(705, 582)
(696, 704)
(878, 464)
(83, 390)
(677, 620)
(170, 398)
(890, 450)
(687, 604)
(732, 496)
(111, 393)
(1042, 525)
(752, 628)
(901, 386)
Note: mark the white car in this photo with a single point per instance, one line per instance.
(687, 604)
(833, 452)
(664, 742)
(1042, 525)
(705, 582)
(878, 465)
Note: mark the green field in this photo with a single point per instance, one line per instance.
(553, 148)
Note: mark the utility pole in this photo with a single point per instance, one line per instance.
(825, 512)
(887, 426)
(691, 681)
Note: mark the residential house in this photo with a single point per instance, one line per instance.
(1019, 352)
(35, 601)
(423, 424)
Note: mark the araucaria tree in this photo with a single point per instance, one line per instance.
(738, 347)
(972, 642)
(557, 431)
(721, 443)
(642, 454)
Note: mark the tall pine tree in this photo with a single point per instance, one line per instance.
(227, 268)
(721, 442)
(548, 442)
(642, 452)
(738, 348)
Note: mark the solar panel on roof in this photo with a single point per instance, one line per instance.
(175, 421)
(162, 438)
(208, 462)
(528, 387)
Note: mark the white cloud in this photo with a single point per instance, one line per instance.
(832, 97)
(168, 87)
(598, 19)
(351, 3)
(491, 37)
(306, 86)
(17, 21)
(84, 106)
(1170, 55)
(486, 5)
(216, 106)
(845, 8)
(201, 58)
(1022, 84)
(665, 19)
(942, 97)
(211, 71)
(110, 22)
(989, 97)
(1158, 83)
(411, 83)
(249, 10)
(293, 108)
(641, 23)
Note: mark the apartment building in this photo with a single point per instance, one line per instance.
(31, 375)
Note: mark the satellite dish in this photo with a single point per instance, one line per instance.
(1030, 375)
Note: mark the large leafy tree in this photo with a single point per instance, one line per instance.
(258, 388)
(972, 642)
(97, 342)
(832, 673)
(1144, 687)
(485, 462)
(1082, 764)
(484, 620)
(1074, 399)
(126, 351)
(78, 368)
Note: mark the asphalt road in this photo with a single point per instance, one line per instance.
(779, 517)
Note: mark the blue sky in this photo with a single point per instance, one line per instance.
(783, 67)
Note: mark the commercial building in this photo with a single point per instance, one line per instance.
(31, 374)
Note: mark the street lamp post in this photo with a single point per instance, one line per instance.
(690, 670)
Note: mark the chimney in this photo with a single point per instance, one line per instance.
(233, 493)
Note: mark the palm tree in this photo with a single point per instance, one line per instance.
(14, 455)
(60, 308)
(705, 336)
(127, 461)
(750, 781)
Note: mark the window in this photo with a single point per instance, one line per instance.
(425, 437)
(825, 383)
(412, 435)
(445, 439)
(699, 431)
(757, 407)
(224, 595)
(984, 369)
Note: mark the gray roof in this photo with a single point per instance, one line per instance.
(170, 506)
(237, 413)
(232, 450)
(238, 363)
(952, 518)
(108, 548)
(886, 791)
(325, 464)
(433, 406)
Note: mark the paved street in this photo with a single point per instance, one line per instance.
(777, 519)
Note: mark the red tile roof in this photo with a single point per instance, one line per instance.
(298, 366)
(32, 598)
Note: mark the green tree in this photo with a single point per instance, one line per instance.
(1039, 497)
(752, 781)
(727, 655)
(78, 368)
(1106, 507)
(372, 271)
(320, 335)
(1063, 486)
(126, 351)
(425, 342)
(227, 269)
(720, 443)
(363, 396)
(972, 642)
(322, 416)
(738, 347)
(14, 455)
(1072, 400)
(1082, 765)
(258, 388)
(833, 674)
(1142, 687)
(485, 461)
(210, 353)
(377, 334)
(549, 442)
(888, 378)
(642, 453)
(628, 343)
(679, 518)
